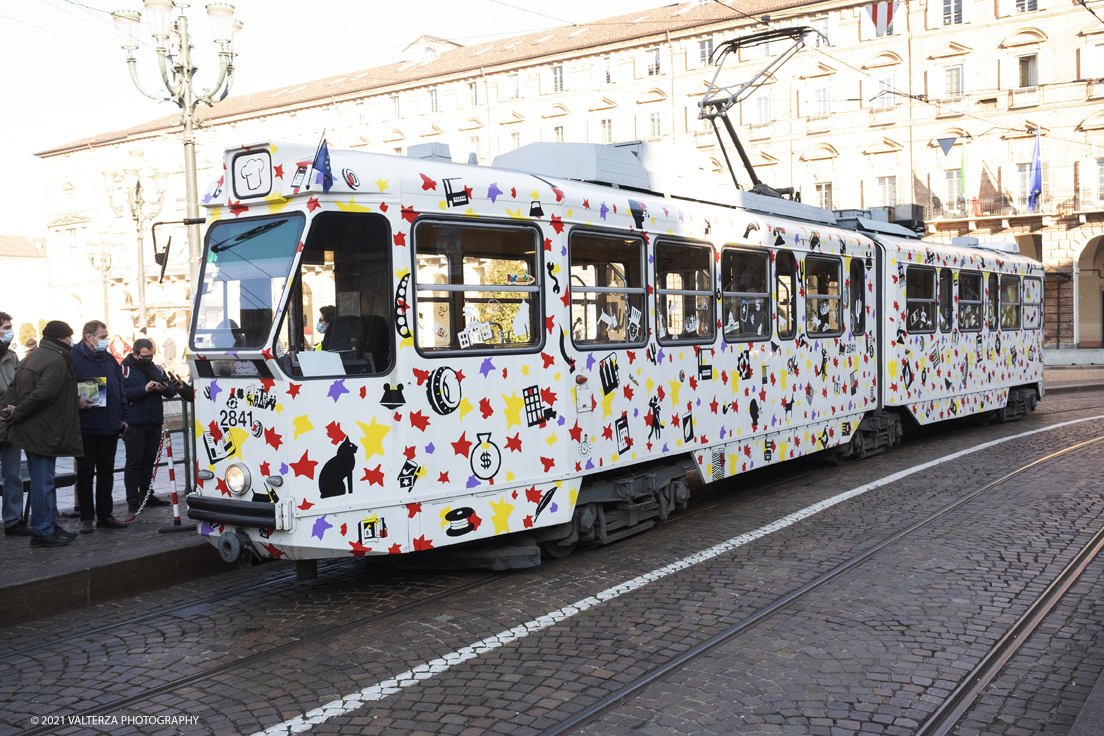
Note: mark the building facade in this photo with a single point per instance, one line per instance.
(23, 266)
(939, 110)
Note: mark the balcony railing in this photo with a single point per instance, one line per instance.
(1024, 97)
(761, 131)
(818, 123)
(982, 208)
(949, 106)
(883, 115)
(1096, 88)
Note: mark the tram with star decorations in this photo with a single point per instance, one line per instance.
(425, 355)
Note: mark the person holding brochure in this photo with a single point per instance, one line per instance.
(145, 386)
(41, 411)
(100, 382)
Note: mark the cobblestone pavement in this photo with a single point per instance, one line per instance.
(874, 651)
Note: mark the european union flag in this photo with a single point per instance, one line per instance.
(1036, 193)
(322, 166)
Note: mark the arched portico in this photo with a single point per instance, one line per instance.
(1090, 284)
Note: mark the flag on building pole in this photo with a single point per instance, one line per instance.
(1036, 192)
(882, 15)
(322, 166)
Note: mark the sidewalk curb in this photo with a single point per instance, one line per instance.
(39, 595)
(1078, 388)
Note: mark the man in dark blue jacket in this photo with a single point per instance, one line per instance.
(100, 379)
(145, 385)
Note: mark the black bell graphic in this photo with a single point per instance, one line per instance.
(535, 209)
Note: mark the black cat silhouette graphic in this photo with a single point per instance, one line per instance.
(336, 477)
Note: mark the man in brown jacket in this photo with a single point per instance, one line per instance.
(42, 413)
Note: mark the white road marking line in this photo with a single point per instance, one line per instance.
(396, 684)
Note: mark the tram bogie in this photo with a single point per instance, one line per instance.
(510, 355)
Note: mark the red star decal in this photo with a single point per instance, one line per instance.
(410, 452)
(462, 446)
(548, 463)
(548, 396)
(628, 392)
(273, 438)
(412, 509)
(358, 549)
(421, 375)
(693, 384)
(533, 495)
(549, 360)
(763, 395)
(363, 391)
(383, 207)
(586, 204)
(223, 488)
(460, 376)
(549, 324)
(566, 298)
(607, 432)
(333, 431)
(428, 183)
(576, 432)
(443, 478)
(394, 549)
(237, 208)
(528, 522)
(273, 551)
(344, 529)
(559, 194)
(216, 433)
(514, 443)
(305, 466)
(417, 419)
(557, 224)
(400, 238)
(548, 244)
(267, 384)
(421, 543)
(293, 389)
(408, 213)
(305, 506)
(632, 356)
(266, 470)
(513, 192)
(374, 476)
(485, 407)
(713, 405)
(312, 204)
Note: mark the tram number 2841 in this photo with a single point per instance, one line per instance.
(235, 419)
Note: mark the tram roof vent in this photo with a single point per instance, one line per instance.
(579, 161)
(997, 245)
(431, 151)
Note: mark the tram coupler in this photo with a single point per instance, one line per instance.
(231, 546)
(306, 569)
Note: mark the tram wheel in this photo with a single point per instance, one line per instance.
(553, 551)
(986, 418)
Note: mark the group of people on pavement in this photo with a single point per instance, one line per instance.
(71, 397)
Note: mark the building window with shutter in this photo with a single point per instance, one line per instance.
(1026, 6)
(656, 128)
(607, 130)
(608, 63)
(653, 62)
(433, 100)
(824, 195)
(396, 108)
(952, 12)
(1023, 176)
(473, 143)
(821, 101)
(513, 86)
(1029, 71)
(952, 179)
(705, 51)
(1100, 180)
(761, 114)
(887, 190)
(558, 134)
(515, 140)
(473, 91)
(952, 81)
(557, 79)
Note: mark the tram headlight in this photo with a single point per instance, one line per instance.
(237, 479)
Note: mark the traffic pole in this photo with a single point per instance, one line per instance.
(176, 525)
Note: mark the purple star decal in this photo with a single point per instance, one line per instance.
(603, 211)
(589, 465)
(337, 389)
(430, 448)
(590, 361)
(487, 367)
(660, 355)
(680, 216)
(665, 448)
(215, 391)
(320, 527)
(205, 529)
(206, 199)
(562, 420)
(563, 251)
(554, 507)
(283, 468)
(472, 481)
(722, 432)
(493, 191)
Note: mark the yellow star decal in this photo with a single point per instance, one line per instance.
(514, 407)
(525, 370)
(892, 366)
(675, 385)
(352, 206)
(551, 439)
(574, 496)
(442, 205)
(444, 512)
(279, 408)
(276, 203)
(302, 425)
(509, 476)
(464, 406)
(372, 440)
(238, 436)
(215, 214)
(382, 184)
(273, 148)
(732, 458)
(534, 194)
(401, 273)
(501, 517)
(650, 385)
(516, 215)
(198, 429)
(607, 405)
(469, 212)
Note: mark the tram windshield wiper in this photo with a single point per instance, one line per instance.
(247, 235)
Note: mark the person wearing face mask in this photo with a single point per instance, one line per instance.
(11, 484)
(42, 412)
(326, 316)
(100, 378)
(145, 386)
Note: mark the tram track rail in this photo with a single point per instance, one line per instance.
(944, 719)
(491, 578)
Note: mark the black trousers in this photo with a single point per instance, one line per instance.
(142, 441)
(99, 463)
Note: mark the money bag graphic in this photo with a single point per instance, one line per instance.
(486, 458)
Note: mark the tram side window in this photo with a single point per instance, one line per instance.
(858, 297)
(1010, 302)
(476, 286)
(946, 300)
(684, 292)
(1033, 303)
(992, 303)
(339, 318)
(969, 301)
(920, 299)
(785, 282)
(822, 295)
(745, 300)
(607, 289)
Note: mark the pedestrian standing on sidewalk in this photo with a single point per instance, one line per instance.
(98, 378)
(43, 413)
(145, 386)
(11, 483)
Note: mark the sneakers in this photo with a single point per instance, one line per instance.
(87, 527)
(50, 540)
(111, 522)
(155, 501)
(18, 529)
(62, 531)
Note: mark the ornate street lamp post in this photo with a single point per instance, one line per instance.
(132, 182)
(174, 57)
(101, 260)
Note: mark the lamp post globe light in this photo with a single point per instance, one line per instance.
(174, 58)
(136, 208)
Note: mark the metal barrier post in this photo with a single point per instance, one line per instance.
(176, 525)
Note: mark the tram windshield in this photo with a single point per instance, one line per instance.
(246, 267)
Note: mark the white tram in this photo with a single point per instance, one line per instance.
(538, 348)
